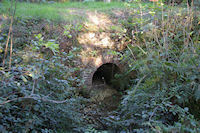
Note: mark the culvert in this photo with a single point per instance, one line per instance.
(105, 74)
(104, 91)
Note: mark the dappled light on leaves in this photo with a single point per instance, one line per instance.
(100, 67)
(101, 40)
(98, 61)
(96, 25)
(100, 20)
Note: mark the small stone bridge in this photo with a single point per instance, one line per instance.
(101, 69)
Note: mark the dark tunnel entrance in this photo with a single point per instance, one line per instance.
(105, 73)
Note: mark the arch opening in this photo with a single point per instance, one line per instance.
(105, 74)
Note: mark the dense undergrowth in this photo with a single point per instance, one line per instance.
(40, 93)
(165, 54)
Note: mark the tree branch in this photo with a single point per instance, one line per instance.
(34, 98)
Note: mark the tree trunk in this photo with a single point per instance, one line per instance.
(107, 1)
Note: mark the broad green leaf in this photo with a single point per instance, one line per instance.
(197, 93)
(24, 79)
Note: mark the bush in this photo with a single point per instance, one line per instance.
(38, 94)
(165, 96)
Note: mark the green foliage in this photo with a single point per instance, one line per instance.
(165, 92)
(37, 113)
(69, 29)
(49, 44)
(165, 95)
(38, 94)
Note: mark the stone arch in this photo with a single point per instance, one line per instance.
(105, 73)
(96, 63)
